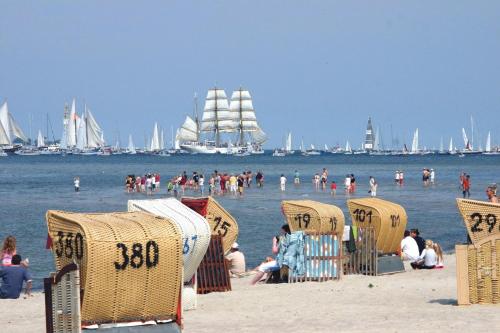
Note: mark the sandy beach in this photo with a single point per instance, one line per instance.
(413, 301)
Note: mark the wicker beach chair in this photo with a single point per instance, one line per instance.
(62, 301)
(388, 219)
(220, 221)
(195, 238)
(308, 215)
(130, 264)
(478, 264)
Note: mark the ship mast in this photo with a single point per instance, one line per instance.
(242, 136)
(216, 127)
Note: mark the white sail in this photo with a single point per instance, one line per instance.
(326, 147)
(488, 143)
(94, 133)
(466, 140)
(312, 147)
(216, 114)
(81, 135)
(288, 144)
(4, 138)
(441, 146)
(188, 131)
(162, 141)
(71, 127)
(10, 126)
(414, 145)
(131, 147)
(259, 136)
(177, 142)
(348, 148)
(376, 143)
(302, 149)
(242, 107)
(155, 140)
(40, 141)
(450, 147)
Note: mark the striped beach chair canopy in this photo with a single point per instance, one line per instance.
(194, 227)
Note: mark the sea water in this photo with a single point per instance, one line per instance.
(31, 185)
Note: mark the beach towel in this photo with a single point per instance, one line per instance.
(291, 253)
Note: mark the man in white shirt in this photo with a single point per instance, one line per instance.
(282, 182)
(409, 248)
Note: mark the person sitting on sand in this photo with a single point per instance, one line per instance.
(8, 250)
(428, 258)
(491, 193)
(420, 241)
(236, 261)
(271, 265)
(439, 254)
(12, 278)
(409, 248)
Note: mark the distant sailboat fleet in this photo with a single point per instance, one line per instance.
(225, 127)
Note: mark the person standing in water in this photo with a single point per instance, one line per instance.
(373, 187)
(324, 178)
(282, 182)
(466, 186)
(76, 182)
(296, 178)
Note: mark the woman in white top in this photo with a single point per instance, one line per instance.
(428, 259)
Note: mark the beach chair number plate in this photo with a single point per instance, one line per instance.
(135, 257)
(395, 221)
(186, 247)
(306, 218)
(333, 222)
(68, 245)
(479, 222)
(361, 215)
(222, 227)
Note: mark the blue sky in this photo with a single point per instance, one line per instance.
(317, 68)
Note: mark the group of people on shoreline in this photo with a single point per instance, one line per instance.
(147, 184)
(13, 271)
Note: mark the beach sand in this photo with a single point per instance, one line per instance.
(413, 301)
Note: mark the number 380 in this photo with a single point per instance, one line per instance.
(136, 258)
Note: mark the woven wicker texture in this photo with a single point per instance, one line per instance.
(66, 304)
(483, 268)
(220, 221)
(130, 263)
(194, 227)
(308, 215)
(388, 219)
(482, 219)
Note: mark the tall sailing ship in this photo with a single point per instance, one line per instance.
(9, 130)
(228, 128)
(81, 134)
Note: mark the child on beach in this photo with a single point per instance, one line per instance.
(8, 250)
(333, 188)
(439, 254)
(491, 193)
(428, 258)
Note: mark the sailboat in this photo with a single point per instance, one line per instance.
(488, 150)
(130, 148)
(468, 145)
(368, 145)
(9, 130)
(348, 149)
(451, 150)
(414, 145)
(287, 150)
(155, 146)
(221, 118)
